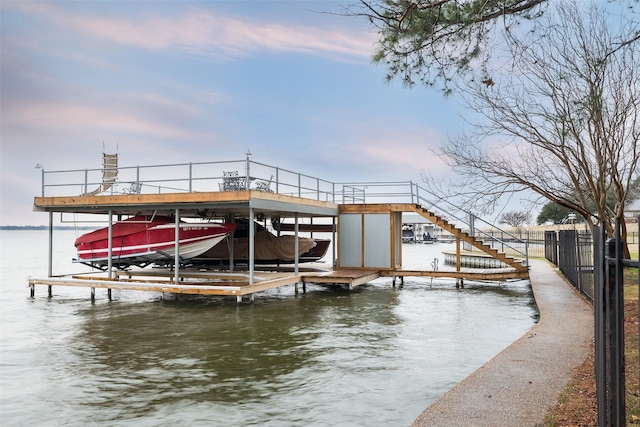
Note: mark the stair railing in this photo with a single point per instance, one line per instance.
(476, 232)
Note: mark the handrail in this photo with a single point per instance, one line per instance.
(472, 219)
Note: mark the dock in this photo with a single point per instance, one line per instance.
(364, 220)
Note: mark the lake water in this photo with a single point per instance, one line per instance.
(377, 355)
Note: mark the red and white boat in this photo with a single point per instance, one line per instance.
(142, 240)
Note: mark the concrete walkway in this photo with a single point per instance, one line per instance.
(518, 386)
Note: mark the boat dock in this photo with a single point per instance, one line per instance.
(207, 283)
(363, 219)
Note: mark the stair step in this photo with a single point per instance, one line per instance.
(464, 235)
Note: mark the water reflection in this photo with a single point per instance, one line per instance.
(374, 356)
(140, 356)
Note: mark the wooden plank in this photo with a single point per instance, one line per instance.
(284, 198)
(377, 208)
(343, 276)
(138, 286)
(305, 228)
(270, 284)
(186, 274)
(141, 199)
(480, 274)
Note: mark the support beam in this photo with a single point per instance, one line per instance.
(296, 246)
(176, 262)
(231, 245)
(110, 245)
(334, 244)
(252, 246)
(50, 261)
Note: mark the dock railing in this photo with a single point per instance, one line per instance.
(247, 174)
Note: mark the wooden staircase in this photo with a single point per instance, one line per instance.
(464, 236)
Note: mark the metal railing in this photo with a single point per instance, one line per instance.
(595, 266)
(608, 306)
(247, 174)
(477, 227)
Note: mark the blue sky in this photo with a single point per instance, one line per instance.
(174, 81)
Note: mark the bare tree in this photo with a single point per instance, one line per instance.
(515, 219)
(562, 114)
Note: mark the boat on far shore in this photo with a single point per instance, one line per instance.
(143, 240)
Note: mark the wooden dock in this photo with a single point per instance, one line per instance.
(367, 237)
(238, 285)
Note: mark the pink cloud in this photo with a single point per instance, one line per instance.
(54, 117)
(206, 33)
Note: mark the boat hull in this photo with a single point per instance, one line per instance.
(140, 240)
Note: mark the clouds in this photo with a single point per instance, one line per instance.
(198, 31)
(173, 82)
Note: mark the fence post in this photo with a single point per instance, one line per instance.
(616, 329)
(609, 333)
(412, 198)
(247, 178)
(138, 186)
(42, 180)
(599, 308)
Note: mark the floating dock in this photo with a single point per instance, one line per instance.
(365, 224)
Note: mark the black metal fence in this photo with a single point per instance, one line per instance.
(609, 326)
(572, 252)
(575, 259)
(595, 266)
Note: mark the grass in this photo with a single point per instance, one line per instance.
(577, 404)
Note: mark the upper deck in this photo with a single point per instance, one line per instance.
(206, 189)
(221, 204)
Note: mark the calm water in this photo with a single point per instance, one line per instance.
(374, 356)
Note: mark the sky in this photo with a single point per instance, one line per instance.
(163, 82)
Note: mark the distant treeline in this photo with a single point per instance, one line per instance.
(43, 227)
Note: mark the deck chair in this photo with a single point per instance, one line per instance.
(109, 173)
(232, 182)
